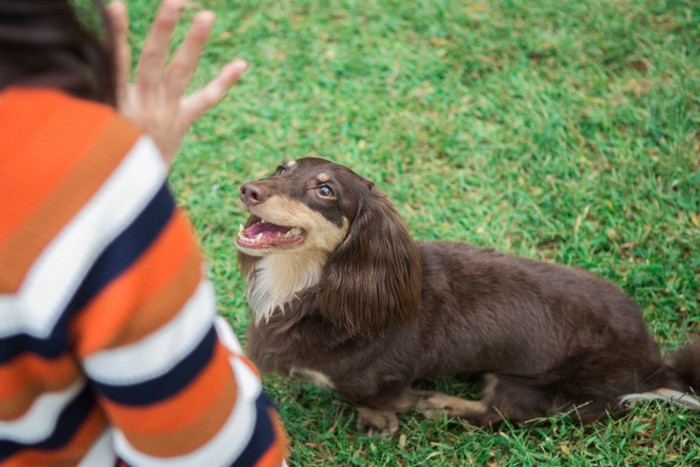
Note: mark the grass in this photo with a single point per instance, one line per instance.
(563, 131)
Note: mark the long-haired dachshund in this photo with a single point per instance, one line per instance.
(341, 294)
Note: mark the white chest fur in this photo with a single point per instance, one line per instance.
(277, 279)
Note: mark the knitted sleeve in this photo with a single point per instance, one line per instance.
(109, 338)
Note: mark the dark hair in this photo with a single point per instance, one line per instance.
(45, 43)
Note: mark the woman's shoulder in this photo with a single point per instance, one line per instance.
(28, 111)
(48, 98)
(50, 125)
(61, 157)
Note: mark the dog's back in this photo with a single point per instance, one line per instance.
(553, 326)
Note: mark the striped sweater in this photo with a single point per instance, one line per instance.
(110, 344)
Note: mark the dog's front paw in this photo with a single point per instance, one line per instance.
(377, 422)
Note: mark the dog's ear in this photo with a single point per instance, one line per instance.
(373, 279)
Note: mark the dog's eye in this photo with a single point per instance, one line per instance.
(325, 191)
(281, 170)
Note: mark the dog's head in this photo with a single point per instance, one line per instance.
(311, 207)
(304, 206)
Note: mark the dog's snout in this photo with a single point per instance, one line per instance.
(254, 193)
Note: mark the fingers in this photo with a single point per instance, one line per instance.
(155, 102)
(155, 49)
(199, 102)
(185, 61)
(119, 19)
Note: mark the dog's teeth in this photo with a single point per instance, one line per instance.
(241, 229)
(293, 232)
(258, 237)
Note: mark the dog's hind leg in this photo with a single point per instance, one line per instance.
(521, 401)
(435, 404)
(500, 399)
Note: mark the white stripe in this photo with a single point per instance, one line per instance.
(55, 276)
(40, 420)
(228, 443)
(159, 352)
(226, 335)
(101, 453)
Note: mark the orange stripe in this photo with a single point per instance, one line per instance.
(161, 307)
(29, 376)
(72, 453)
(47, 153)
(146, 296)
(188, 420)
(276, 453)
(19, 106)
(50, 175)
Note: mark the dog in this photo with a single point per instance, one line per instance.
(342, 295)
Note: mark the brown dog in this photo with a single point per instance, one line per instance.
(341, 294)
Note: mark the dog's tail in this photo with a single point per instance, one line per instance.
(686, 364)
(664, 394)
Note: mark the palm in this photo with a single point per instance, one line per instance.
(156, 101)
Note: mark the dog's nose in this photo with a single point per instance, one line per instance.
(254, 193)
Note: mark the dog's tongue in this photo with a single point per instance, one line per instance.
(265, 235)
(266, 228)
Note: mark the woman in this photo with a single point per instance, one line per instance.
(110, 345)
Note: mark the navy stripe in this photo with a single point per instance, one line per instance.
(263, 436)
(164, 386)
(69, 422)
(113, 261)
(126, 248)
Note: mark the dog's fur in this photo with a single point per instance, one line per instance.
(353, 303)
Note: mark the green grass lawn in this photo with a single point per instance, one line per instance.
(566, 131)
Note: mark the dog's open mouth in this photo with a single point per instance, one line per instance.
(265, 235)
